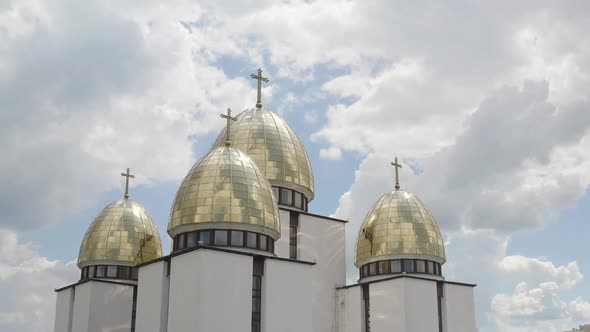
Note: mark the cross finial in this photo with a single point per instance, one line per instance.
(228, 126)
(260, 80)
(127, 176)
(396, 165)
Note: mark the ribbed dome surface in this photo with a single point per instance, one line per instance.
(399, 224)
(122, 232)
(225, 187)
(274, 146)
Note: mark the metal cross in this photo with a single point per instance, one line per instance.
(260, 80)
(227, 129)
(396, 165)
(127, 175)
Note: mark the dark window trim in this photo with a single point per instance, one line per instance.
(367, 307)
(384, 267)
(178, 245)
(282, 200)
(131, 274)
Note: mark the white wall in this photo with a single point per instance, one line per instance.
(460, 308)
(350, 312)
(81, 313)
(286, 297)
(100, 307)
(282, 244)
(388, 306)
(210, 291)
(421, 305)
(64, 310)
(322, 241)
(152, 298)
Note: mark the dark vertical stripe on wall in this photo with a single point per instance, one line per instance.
(439, 297)
(134, 309)
(367, 305)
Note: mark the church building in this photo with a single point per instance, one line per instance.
(248, 256)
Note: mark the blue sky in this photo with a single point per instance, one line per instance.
(486, 104)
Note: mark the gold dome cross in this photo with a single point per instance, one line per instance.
(397, 166)
(127, 176)
(227, 129)
(260, 80)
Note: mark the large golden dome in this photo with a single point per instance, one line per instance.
(274, 146)
(123, 232)
(225, 190)
(399, 225)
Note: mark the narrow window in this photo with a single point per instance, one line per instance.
(420, 266)
(297, 200)
(91, 272)
(100, 271)
(439, 296)
(181, 239)
(251, 240)
(237, 238)
(396, 266)
(367, 305)
(365, 271)
(134, 309)
(134, 273)
(191, 239)
(383, 267)
(221, 238)
(286, 196)
(123, 272)
(112, 271)
(408, 265)
(262, 242)
(430, 267)
(257, 273)
(275, 191)
(205, 238)
(293, 230)
(372, 269)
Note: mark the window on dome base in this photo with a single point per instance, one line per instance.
(224, 238)
(109, 272)
(290, 197)
(398, 266)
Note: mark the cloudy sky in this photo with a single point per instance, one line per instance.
(485, 102)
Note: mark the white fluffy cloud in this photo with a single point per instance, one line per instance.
(27, 281)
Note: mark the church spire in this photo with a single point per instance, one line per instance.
(230, 119)
(260, 80)
(397, 166)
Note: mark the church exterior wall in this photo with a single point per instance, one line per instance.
(459, 307)
(350, 310)
(101, 306)
(286, 296)
(64, 310)
(282, 244)
(210, 291)
(152, 298)
(387, 306)
(421, 305)
(321, 241)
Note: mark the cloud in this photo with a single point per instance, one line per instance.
(540, 269)
(89, 90)
(27, 281)
(331, 153)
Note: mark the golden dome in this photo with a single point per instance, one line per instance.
(223, 190)
(399, 225)
(123, 232)
(275, 148)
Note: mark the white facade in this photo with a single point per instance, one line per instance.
(210, 289)
(407, 304)
(94, 306)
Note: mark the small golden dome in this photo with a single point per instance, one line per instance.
(275, 148)
(399, 225)
(123, 232)
(223, 190)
